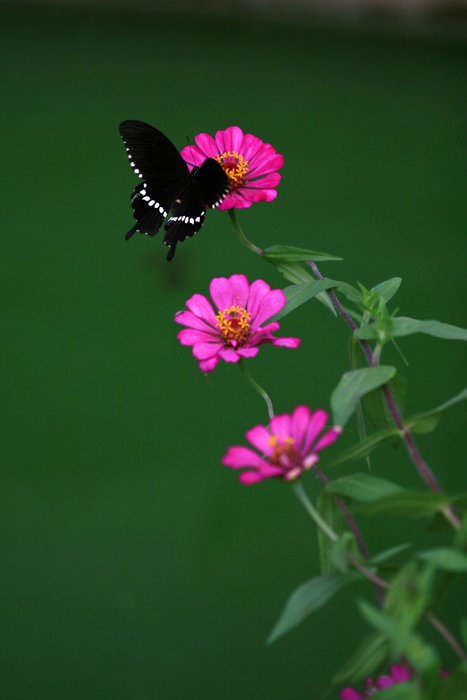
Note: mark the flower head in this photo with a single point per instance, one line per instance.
(399, 674)
(288, 446)
(250, 164)
(234, 330)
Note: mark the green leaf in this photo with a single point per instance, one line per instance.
(377, 619)
(407, 504)
(460, 539)
(454, 687)
(401, 691)
(426, 662)
(386, 290)
(401, 325)
(367, 332)
(295, 272)
(460, 503)
(299, 294)
(332, 514)
(445, 558)
(284, 253)
(388, 553)
(356, 361)
(364, 448)
(351, 293)
(406, 602)
(363, 487)
(357, 357)
(438, 523)
(354, 385)
(463, 630)
(408, 326)
(376, 408)
(425, 422)
(370, 655)
(310, 596)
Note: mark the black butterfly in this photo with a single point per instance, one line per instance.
(168, 185)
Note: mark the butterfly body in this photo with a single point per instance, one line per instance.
(168, 186)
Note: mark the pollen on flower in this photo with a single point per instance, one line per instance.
(285, 455)
(235, 167)
(234, 324)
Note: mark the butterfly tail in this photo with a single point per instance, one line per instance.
(131, 232)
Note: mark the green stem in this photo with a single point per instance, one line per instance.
(302, 496)
(256, 387)
(240, 234)
(311, 510)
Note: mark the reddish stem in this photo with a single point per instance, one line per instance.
(422, 467)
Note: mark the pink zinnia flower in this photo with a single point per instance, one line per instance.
(236, 329)
(287, 446)
(399, 674)
(250, 164)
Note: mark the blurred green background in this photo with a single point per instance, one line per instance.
(134, 565)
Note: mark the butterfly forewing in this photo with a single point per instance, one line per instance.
(152, 156)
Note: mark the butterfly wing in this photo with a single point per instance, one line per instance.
(168, 185)
(207, 186)
(164, 172)
(152, 156)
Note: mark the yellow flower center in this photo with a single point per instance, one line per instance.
(235, 167)
(234, 325)
(284, 454)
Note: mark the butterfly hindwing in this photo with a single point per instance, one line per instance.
(207, 186)
(213, 182)
(168, 185)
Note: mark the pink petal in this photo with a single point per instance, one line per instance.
(248, 352)
(209, 365)
(229, 355)
(234, 200)
(400, 674)
(267, 330)
(203, 351)
(248, 478)
(257, 195)
(260, 437)
(186, 318)
(258, 292)
(189, 336)
(317, 422)
(201, 307)
(280, 426)
(239, 456)
(350, 694)
(286, 342)
(265, 161)
(264, 183)
(230, 140)
(207, 144)
(240, 290)
(229, 292)
(328, 438)
(268, 305)
(192, 155)
(299, 422)
(250, 146)
(384, 682)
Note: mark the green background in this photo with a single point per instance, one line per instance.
(134, 565)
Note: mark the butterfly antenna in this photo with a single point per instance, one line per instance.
(191, 151)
